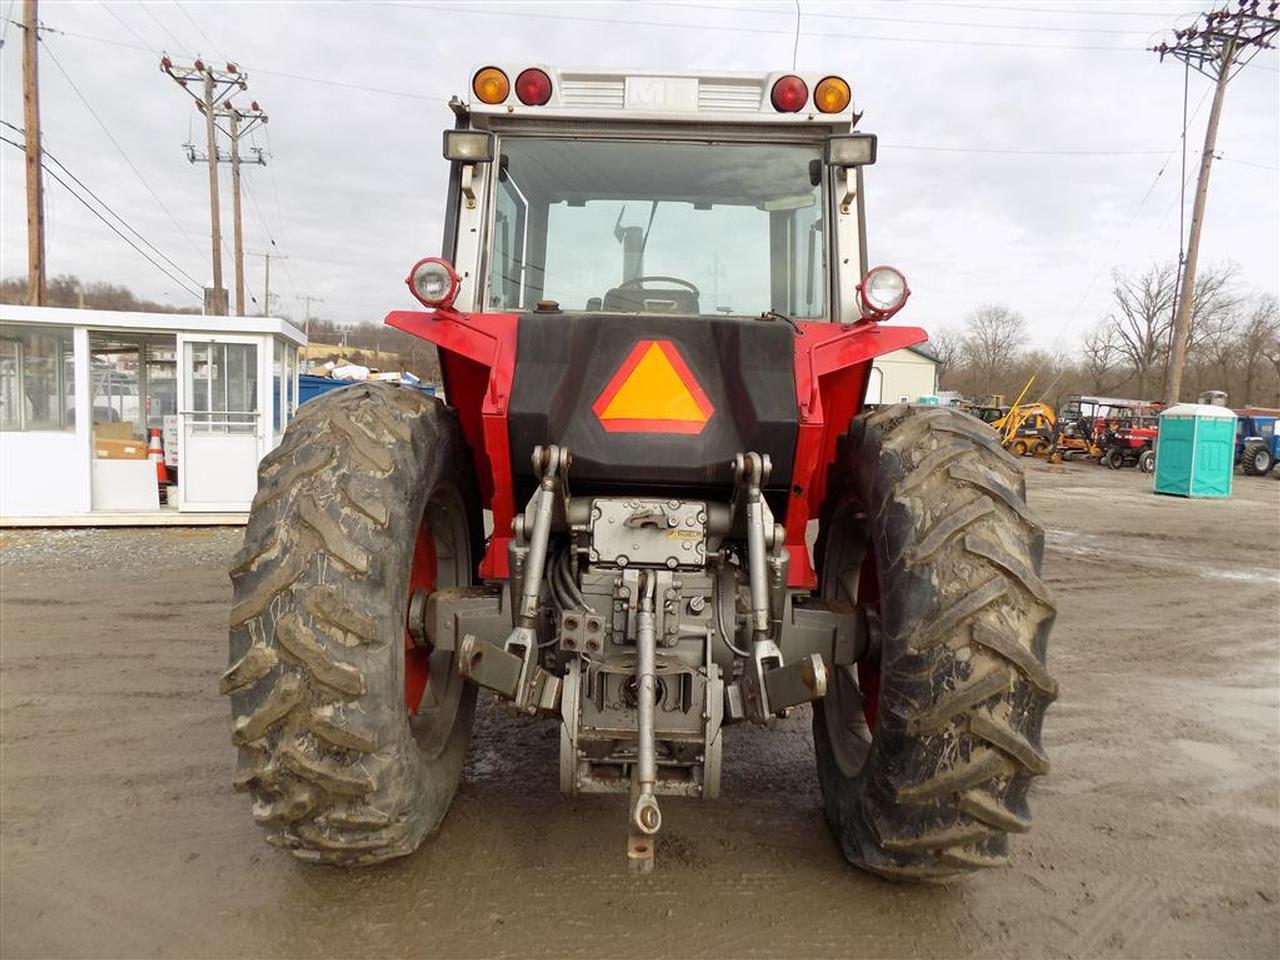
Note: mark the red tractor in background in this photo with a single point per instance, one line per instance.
(656, 321)
(1116, 432)
(1124, 444)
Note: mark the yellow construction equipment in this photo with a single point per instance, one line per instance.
(1028, 427)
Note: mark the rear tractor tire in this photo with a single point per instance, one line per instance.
(1256, 459)
(352, 739)
(927, 747)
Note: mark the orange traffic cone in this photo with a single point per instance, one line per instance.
(155, 453)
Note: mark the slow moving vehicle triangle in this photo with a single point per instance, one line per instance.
(653, 391)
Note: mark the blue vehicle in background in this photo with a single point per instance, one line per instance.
(1257, 442)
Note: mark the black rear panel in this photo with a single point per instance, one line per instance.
(566, 361)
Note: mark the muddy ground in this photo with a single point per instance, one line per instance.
(1157, 834)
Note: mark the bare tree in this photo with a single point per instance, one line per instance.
(1141, 317)
(993, 337)
(1259, 332)
(1217, 348)
(1100, 355)
(948, 346)
(1272, 352)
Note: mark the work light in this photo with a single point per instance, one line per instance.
(433, 282)
(469, 146)
(884, 291)
(852, 150)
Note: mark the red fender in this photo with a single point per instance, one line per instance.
(833, 364)
(478, 360)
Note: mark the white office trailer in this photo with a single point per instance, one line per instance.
(81, 392)
(903, 376)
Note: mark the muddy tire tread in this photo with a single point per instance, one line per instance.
(965, 617)
(314, 609)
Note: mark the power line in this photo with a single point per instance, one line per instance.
(120, 20)
(253, 199)
(1249, 163)
(1102, 263)
(213, 48)
(111, 226)
(115, 143)
(275, 194)
(822, 34)
(106, 206)
(929, 23)
(8, 19)
(1026, 153)
(180, 45)
(1054, 10)
(366, 88)
(435, 99)
(795, 47)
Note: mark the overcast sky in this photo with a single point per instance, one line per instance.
(1019, 142)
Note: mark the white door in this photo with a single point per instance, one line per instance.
(875, 386)
(222, 394)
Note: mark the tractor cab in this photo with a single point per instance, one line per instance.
(631, 193)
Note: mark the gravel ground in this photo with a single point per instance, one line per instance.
(1157, 833)
(136, 551)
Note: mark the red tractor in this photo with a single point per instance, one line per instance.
(1128, 443)
(656, 324)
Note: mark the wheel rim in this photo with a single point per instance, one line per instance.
(851, 706)
(441, 559)
(422, 576)
(1261, 461)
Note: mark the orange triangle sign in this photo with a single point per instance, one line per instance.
(653, 391)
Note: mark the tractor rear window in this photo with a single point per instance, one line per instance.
(659, 227)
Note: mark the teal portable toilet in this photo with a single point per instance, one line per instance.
(1195, 450)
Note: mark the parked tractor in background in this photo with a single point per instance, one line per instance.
(1257, 441)
(1072, 439)
(656, 322)
(1124, 443)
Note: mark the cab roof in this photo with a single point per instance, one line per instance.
(657, 96)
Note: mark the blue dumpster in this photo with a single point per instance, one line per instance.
(1195, 451)
(310, 386)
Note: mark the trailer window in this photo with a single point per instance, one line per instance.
(635, 227)
(37, 379)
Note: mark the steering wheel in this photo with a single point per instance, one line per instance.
(637, 283)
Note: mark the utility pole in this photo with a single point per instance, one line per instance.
(239, 123)
(266, 287)
(308, 300)
(1218, 50)
(37, 290)
(216, 87)
(237, 228)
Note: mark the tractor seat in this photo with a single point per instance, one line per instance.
(650, 300)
